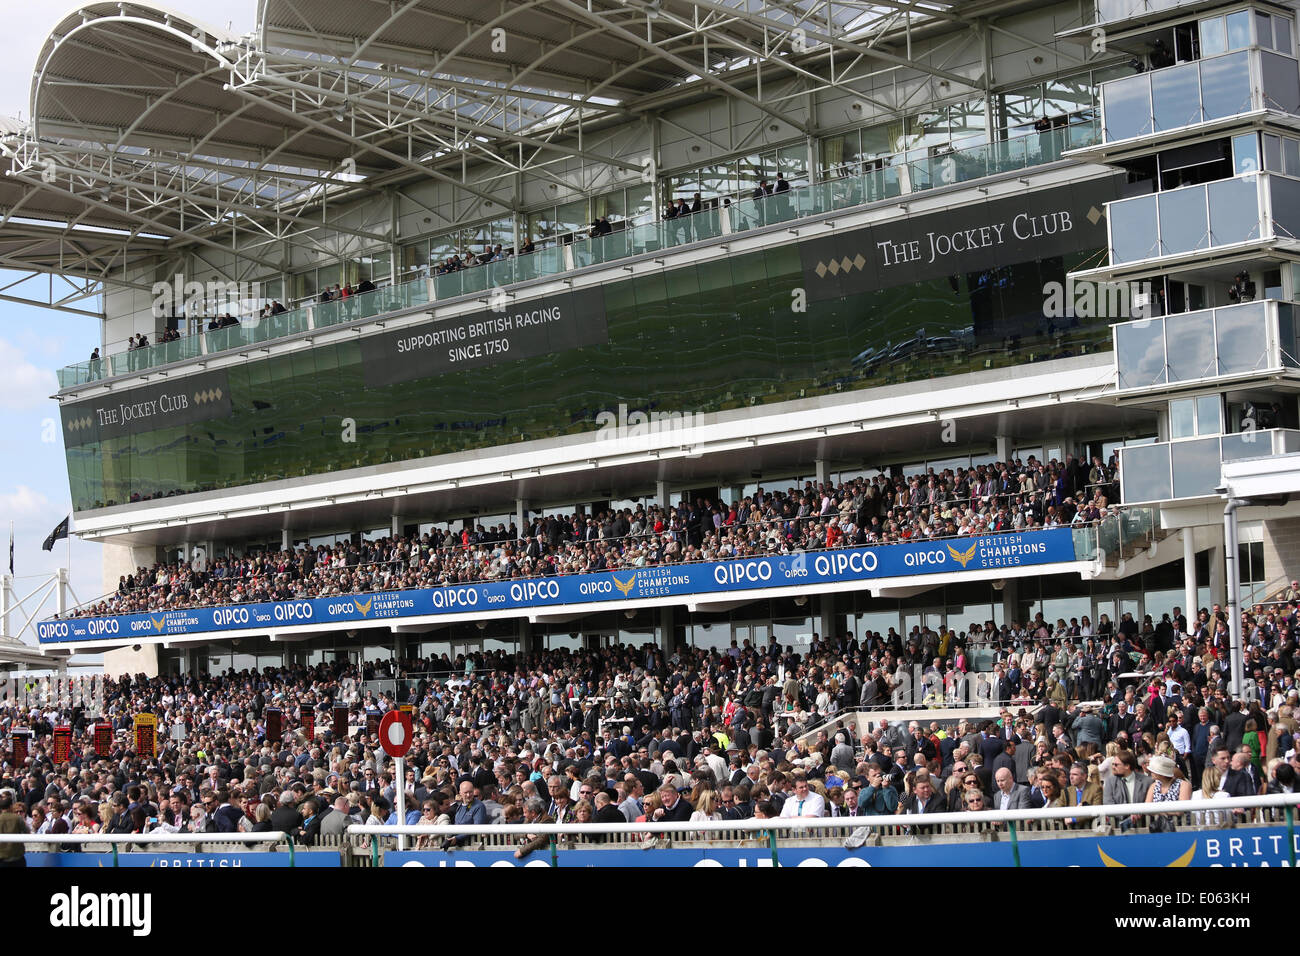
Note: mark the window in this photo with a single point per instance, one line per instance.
(1213, 39)
(1238, 30)
(1189, 417)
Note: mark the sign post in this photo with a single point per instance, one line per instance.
(395, 734)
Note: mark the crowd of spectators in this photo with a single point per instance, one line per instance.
(624, 734)
(986, 499)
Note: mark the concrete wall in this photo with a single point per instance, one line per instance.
(1281, 549)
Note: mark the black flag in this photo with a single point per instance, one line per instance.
(60, 531)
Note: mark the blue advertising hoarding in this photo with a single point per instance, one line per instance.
(945, 556)
(1249, 847)
(155, 860)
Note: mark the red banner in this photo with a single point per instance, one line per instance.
(274, 725)
(62, 744)
(307, 723)
(103, 739)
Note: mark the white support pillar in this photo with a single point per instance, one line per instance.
(286, 539)
(1003, 448)
(661, 494)
(1189, 576)
(823, 471)
(521, 517)
(1218, 581)
(826, 616)
(62, 606)
(398, 522)
(6, 602)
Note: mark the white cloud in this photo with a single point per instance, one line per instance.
(23, 504)
(22, 384)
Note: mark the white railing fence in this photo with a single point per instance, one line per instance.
(1270, 810)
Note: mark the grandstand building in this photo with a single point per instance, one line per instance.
(996, 230)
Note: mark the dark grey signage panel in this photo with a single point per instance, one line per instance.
(970, 238)
(177, 401)
(527, 329)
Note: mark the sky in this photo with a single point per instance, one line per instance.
(34, 342)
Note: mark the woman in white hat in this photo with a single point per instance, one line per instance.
(1168, 784)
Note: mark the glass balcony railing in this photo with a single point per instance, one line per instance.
(153, 356)
(902, 175)
(1253, 207)
(1192, 467)
(1193, 347)
(1188, 94)
(1116, 11)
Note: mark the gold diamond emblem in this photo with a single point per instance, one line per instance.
(820, 270)
(859, 260)
(1094, 215)
(846, 263)
(833, 268)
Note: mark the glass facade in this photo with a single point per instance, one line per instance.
(715, 336)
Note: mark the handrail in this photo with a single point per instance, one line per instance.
(145, 838)
(804, 824)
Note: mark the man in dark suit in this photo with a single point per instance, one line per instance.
(923, 798)
(1007, 758)
(227, 816)
(675, 807)
(1234, 728)
(285, 817)
(1121, 720)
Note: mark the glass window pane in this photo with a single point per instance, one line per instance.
(1207, 415)
(1272, 153)
(1196, 467)
(1182, 418)
(1183, 225)
(1145, 473)
(1176, 96)
(1189, 340)
(1239, 30)
(1126, 107)
(1291, 157)
(1140, 353)
(1282, 35)
(1242, 338)
(1225, 85)
(1245, 153)
(1213, 39)
(1133, 232)
(1234, 211)
(1263, 29)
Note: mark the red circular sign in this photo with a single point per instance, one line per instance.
(395, 733)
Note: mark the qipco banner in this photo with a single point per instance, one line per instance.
(1255, 846)
(951, 557)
